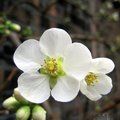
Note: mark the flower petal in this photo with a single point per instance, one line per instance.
(104, 85)
(77, 60)
(91, 93)
(53, 41)
(28, 56)
(34, 87)
(102, 65)
(66, 89)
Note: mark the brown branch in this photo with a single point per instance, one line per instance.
(15, 39)
(50, 112)
(4, 112)
(47, 8)
(8, 80)
(47, 107)
(85, 36)
(107, 107)
(110, 106)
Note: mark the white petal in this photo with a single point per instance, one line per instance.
(34, 87)
(66, 89)
(28, 56)
(77, 60)
(104, 85)
(102, 65)
(91, 93)
(53, 41)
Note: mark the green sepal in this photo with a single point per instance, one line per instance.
(52, 81)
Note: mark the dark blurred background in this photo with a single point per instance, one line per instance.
(96, 23)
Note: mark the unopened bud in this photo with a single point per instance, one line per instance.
(7, 32)
(11, 103)
(19, 97)
(115, 16)
(8, 23)
(15, 27)
(38, 113)
(2, 29)
(23, 113)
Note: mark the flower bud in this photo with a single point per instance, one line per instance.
(2, 29)
(115, 16)
(11, 103)
(23, 113)
(15, 27)
(38, 113)
(8, 23)
(7, 32)
(19, 97)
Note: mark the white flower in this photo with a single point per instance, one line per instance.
(97, 83)
(51, 66)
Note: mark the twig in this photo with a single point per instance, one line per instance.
(47, 107)
(15, 39)
(110, 106)
(107, 107)
(8, 80)
(4, 112)
(47, 8)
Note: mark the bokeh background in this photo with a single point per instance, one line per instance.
(95, 23)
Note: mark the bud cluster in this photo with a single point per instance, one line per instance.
(6, 27)
(23, 108)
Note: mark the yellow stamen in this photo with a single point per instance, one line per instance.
(53, 69)
(91, 79)
(50, 66)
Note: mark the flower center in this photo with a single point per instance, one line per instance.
(50, 66)
(91, 79)
(53, 69)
